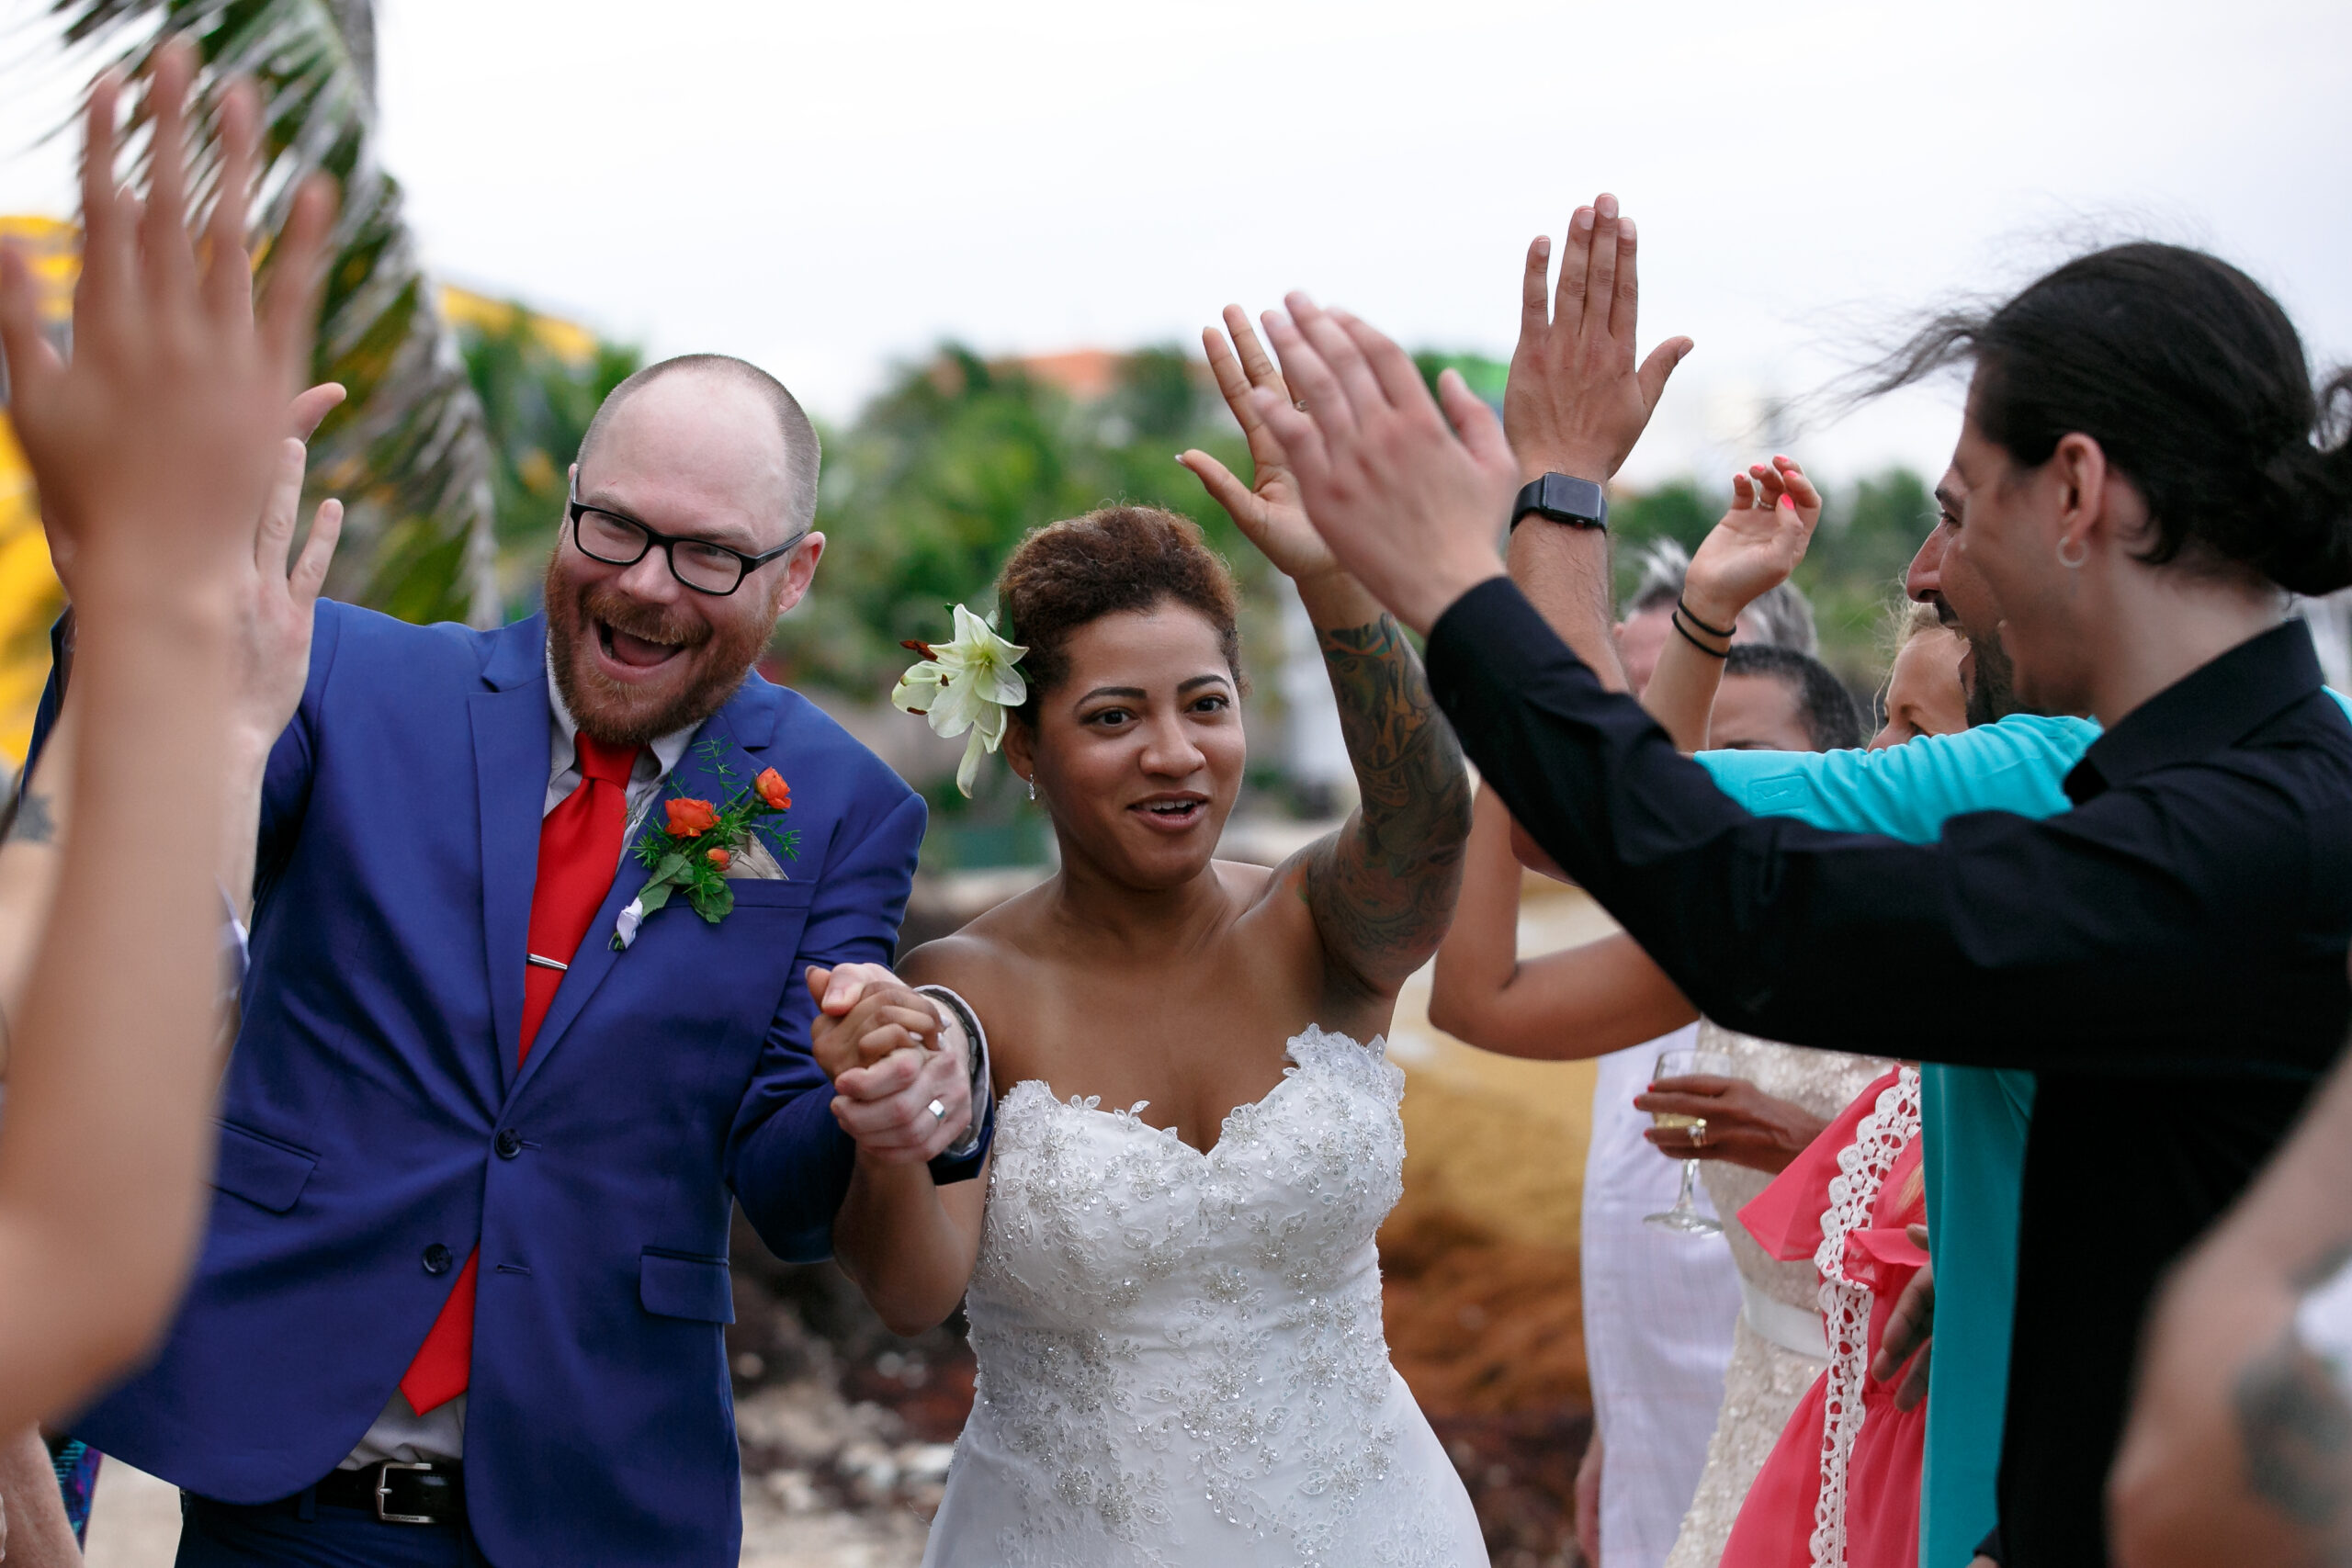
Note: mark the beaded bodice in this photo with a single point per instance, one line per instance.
(1179, 1349)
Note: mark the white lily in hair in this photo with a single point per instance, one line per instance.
(969, 683)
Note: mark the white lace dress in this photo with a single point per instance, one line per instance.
(1768, 1375)
(1181, 1357)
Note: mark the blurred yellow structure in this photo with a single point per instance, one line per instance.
(568, 341)
(30, 596)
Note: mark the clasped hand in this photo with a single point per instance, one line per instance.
(891, 1055)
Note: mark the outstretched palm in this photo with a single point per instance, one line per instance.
(1268, 512)
(1758, 544)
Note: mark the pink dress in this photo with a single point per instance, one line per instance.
(1842, 1485)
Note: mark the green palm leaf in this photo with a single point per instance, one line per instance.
(408, 453)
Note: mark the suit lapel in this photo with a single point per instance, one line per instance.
(693, 776)
(511, 728)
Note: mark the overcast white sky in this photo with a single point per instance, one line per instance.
(826, 188)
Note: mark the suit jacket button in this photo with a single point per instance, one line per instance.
(437, 1259)
(509, 1144)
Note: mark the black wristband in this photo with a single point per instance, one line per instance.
(1685, 631)
(1711, 631)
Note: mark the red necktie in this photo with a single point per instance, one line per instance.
(580, 852)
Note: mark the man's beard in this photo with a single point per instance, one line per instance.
(1993, 694)
(719, 658)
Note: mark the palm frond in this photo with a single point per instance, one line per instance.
(408, 453)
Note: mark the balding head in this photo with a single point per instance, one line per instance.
(704, 398)
(703, 449)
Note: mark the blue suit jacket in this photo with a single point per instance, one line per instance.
(376, 1070)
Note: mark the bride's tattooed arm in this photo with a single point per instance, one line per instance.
(1382, 890)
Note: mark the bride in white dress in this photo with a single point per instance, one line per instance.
(1173, 1289)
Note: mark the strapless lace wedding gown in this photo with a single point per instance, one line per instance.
(1182, 1361)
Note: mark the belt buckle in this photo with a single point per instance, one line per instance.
(384, 1495)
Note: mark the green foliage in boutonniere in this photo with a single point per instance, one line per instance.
(699, 840)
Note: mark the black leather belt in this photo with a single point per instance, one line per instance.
(399, 1494)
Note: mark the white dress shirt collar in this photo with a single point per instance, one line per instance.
(653, 762)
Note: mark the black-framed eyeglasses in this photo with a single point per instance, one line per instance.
(705, 567)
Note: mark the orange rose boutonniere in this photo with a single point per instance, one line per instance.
(692, 818)
(696, 845)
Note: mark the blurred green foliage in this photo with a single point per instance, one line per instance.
(537, 399)
(932, 485)
(943, 473)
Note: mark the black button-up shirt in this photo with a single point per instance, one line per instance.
(2169, 956)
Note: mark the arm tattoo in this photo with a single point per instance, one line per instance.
(1383, 889)
(32, 823)
(2297, 1430)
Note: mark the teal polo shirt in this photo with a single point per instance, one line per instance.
(1973, 1119)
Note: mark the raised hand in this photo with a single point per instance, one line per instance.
(153, 451)
(1756, 545)
(280, 593)
(153, 448)
(1412, 501)
(1267, 511)
(1576, 402)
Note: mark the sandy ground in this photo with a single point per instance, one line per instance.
(137, 1525)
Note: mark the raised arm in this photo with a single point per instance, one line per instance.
(273, 642)
(1582, 1001)
(1575, 403)
(152, 450)
(1382, 889)
(1746, 555)
(2235, 1448)
(29, 854)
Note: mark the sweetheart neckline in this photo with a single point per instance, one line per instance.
(1091, 1104)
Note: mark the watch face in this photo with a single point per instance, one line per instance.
(1565, 499)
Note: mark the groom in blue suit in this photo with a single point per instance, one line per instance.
(463, 1294)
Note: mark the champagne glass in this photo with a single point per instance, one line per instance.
(1684, 1216)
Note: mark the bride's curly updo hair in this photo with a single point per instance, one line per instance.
(1067, 574)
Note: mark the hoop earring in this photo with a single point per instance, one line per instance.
(2075, 564)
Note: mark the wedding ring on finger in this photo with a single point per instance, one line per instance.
(938, 1109)
(1698, 1132)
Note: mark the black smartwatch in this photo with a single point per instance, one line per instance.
(1579, 503)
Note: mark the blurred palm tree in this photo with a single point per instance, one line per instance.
(408, 453)
(540, 380)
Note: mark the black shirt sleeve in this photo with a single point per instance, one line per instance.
(2127, 932)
